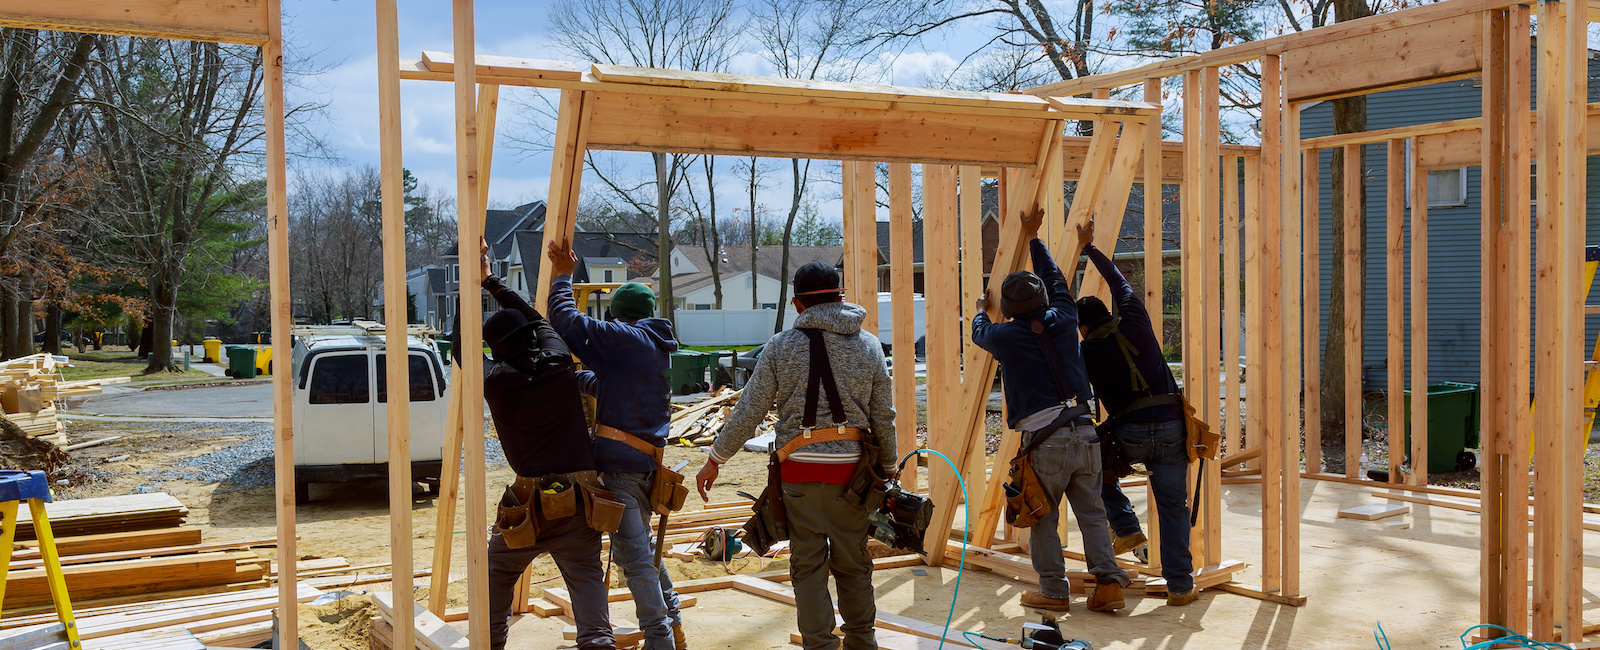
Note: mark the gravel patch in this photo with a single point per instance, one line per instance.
(247, 463)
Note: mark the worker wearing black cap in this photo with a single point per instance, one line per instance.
(533, 396)
(1049, 400)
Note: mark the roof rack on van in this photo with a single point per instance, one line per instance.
(360, 327)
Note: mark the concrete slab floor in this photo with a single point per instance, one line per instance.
(1421, 584)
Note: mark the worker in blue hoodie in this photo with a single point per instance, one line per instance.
(629, 354)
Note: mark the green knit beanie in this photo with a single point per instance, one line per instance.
(633, 301)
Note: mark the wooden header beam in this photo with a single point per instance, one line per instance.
(221, 21)
(1253, 50)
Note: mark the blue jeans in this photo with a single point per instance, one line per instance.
(633, 549)
(1160, 447)
(1068, 465)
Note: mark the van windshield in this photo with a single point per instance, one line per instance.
(420, 374)
(340, 379)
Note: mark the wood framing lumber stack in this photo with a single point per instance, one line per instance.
(432, 632)
(28, 587)
(698, 424)
(31, 386)
(133, 512)
(240, 618)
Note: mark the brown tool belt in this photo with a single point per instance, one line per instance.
(556, 496)
(667, 491)
(814, 436)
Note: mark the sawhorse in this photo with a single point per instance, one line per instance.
(15, 487)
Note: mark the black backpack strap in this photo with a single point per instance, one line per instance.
(1113, 329)
(821, 375)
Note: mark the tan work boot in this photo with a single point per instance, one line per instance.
(681, 642)
(1038, 600)
(1179, 600)
(1121, 545)
(1107, 597)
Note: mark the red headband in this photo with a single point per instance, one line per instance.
(817, 291)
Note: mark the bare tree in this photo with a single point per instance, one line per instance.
(173, 120)
(682, 34)
(39, 77)
(335, 225)
(756, 179)
(706, 218)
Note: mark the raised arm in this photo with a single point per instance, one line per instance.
(1120, 289)
(1043, 266)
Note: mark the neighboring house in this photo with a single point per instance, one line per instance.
(1454, 229)
(693, 287)
(428, 289)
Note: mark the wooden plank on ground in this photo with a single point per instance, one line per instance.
(28, 587)
(432, 632)
(1374, 511)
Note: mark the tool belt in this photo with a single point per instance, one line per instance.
(556, 496)
(868, 484)
(1026, 500)
(667, 491)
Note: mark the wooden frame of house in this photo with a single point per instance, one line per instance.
(956, 136)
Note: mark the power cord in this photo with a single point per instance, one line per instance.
(1510, 639)
(961, 566)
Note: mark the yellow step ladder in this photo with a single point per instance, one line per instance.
(15, 487)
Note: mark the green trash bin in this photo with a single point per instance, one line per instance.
(241, 362)
(444, 348)
(1453, 426)
(686, 373)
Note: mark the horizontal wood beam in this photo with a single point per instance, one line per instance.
(1076, 149)
(1395, 133)
(1251, 51)
(220, 21)
(1463, 147)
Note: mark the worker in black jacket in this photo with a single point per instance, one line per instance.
(532, 391)
(1137, 391)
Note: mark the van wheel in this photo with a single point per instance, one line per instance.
(302, 493)
(433, 487)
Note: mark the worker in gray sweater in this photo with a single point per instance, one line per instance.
(820, 450)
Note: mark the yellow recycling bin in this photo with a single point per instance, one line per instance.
(213, 351)
(264, 359)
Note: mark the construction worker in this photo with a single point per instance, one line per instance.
(532, 393)
(1147, 423)
(629, 354)
(1048, 399)
(821, 453)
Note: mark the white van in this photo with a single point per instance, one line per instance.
(341, 428)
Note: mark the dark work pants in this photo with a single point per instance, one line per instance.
(828, 534)
(576, 549)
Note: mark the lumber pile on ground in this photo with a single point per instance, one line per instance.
(234, 619)
(133, 512)
(31, 386)
(699, 423)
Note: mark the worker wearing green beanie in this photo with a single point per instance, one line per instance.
(633, 301)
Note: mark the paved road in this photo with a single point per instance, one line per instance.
(247, 401)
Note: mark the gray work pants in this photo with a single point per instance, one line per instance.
(633, 549)
(828, 534)
(1068, 464)
(576, 549)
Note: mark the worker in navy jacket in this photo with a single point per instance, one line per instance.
(1067, 462)
(629, 354)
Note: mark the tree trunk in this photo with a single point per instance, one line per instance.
(788, 233)
(23, 331)
(8, 323)
(162, 309)
(52, 328)
(664, 307)
(716, 239)
(754, 285)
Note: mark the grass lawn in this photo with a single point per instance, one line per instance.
(96, 365)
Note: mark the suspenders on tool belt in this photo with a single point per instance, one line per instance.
(1026, 501)
(1202, 442)
(557, 498)
(770, 525)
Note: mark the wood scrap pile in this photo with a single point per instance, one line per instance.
(235, 619)
(31, 387)
(699, 423)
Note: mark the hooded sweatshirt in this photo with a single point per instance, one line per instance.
(780, 378)
(630, 362)
(1030, 387)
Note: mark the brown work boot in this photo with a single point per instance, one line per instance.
(1107, 597)
(1038, 600)
(1122, 545)
(1179, 600)
(681, 642)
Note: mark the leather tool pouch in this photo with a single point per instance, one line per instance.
(600, 506)
(1025, 498)
(770, 524)
(1113, 464)
(558, 498)
(1203, 442)
(667, 492)
(869, 484)
(515, 520)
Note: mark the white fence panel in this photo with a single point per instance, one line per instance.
(754, 326)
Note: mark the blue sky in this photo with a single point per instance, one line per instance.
(339, 37)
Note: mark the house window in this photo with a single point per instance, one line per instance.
(700, 306)
(519, 282)
(1447, 187)
(455, 272)
(608, 275)
(769, 305)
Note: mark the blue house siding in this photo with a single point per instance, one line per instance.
(1454, 256)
